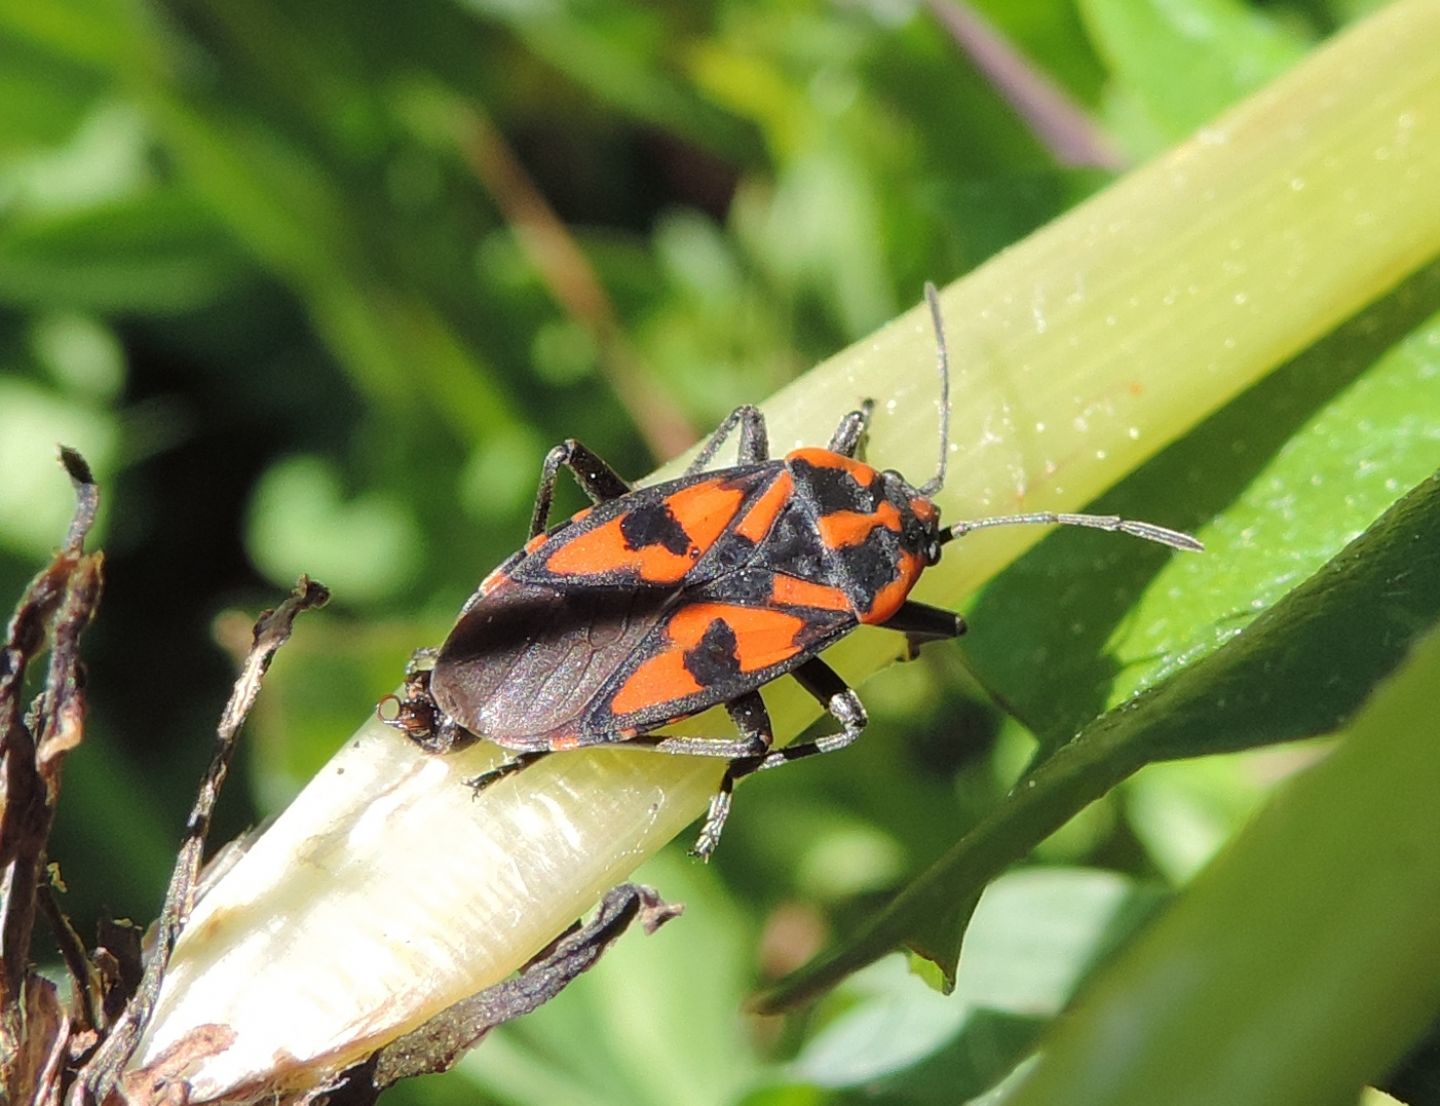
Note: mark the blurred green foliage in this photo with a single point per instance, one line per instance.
(314, 286)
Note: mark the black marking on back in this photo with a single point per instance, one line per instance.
(730, 552)
(834, 489)
(746, 587)
(869, 566)
(651, 523)
(794, 545)
(714, 660)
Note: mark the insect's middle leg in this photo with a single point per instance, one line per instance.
(748, 713)
(595, 477)
(757, 734)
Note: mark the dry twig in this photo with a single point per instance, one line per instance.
(101, 1073)
(58, 604)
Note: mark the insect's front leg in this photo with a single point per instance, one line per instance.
(421, 660)
(921, 623)
(754, 441)
(595, 477)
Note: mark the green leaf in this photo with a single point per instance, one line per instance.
(366, 546)
(1288, 474)
(1301, 669)
(1301, 964)
(155, 252)
(32, 502)
(615, 53)
(1035, 936)
(42, 100)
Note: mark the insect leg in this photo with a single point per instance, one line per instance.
(505, 768)
(596, 478)
(750, 718)
(847, 436)
(823, 682)
(753, 721)
(840, 700)
(754, 442)
(921, 623)
(420, 660)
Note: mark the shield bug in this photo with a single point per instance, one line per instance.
(657, 603)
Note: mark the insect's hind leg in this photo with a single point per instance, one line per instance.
(754, 441)
(505, 768)
(595, 477)
(851, 431)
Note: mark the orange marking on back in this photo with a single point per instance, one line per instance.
(765, 510)
(493, 581)
(762, 637)
(603, 549)
(842, 529)
(703, 511)
(889, 598)
(659, 679)
(536, 542)
(789, 591)
(688, 625)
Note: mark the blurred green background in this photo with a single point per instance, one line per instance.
(314, 286)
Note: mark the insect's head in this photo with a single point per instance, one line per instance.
(914, 515)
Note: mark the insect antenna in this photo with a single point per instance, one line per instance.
(1115, 524)
(936, 482)
(1148, 530)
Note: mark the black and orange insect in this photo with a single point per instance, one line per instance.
(660, 602)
